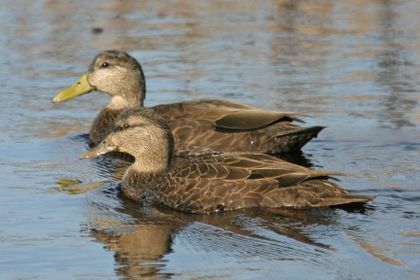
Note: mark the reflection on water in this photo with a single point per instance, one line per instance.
(142, 237)
(349, 65)
(141, 242)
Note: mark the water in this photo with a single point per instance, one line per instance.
(350, 65)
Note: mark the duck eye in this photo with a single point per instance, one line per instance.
(125, 126)
(104, 65)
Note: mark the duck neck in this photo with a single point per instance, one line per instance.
(141, 176)
(120, 103)
(128, 97)
(150, 166)
(152, 159)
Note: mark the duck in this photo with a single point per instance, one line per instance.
(211, 183)
(199, 126)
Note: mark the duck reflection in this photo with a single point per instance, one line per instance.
(143, 236)
(139, 245)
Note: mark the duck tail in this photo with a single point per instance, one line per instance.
(348, 199)
(294, 140)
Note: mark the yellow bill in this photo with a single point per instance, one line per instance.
(79, 88)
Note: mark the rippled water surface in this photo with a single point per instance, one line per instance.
(353, 66)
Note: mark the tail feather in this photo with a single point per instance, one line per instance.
(344, 200)
(294, 140)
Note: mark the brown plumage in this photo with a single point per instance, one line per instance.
(199, 127)
(211, 183)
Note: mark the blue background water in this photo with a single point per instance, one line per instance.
(350, 65)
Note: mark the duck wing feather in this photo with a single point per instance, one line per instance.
(252, 120)
(232, 181)
(214, 126)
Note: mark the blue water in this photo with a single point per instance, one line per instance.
(352, 66)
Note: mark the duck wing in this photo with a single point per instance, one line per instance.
(234, 167)
(261, 166)
(244, 180)
(252, 120)
(214, 126)
(225, 115)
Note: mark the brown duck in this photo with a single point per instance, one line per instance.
(199, 127)
(211, 183)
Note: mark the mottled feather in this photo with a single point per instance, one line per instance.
(212, 183)
(199, 127)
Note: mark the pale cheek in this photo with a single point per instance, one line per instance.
(102, 80)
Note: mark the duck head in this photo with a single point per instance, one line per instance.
(144, 135)
(113, 72)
